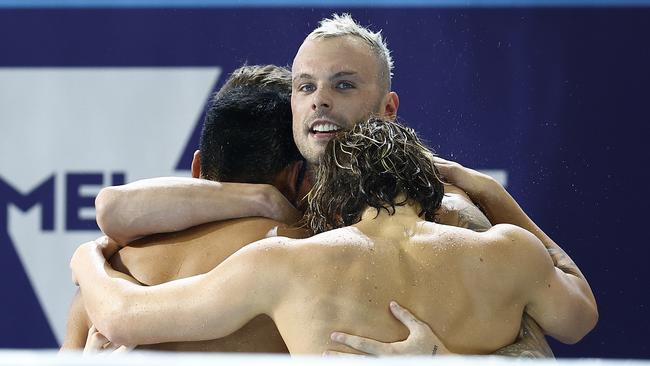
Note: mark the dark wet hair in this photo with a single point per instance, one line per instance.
(247, 136)
(269, 77)
(370, 166)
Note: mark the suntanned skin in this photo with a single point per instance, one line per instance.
(471, 288)
(162, 258)
(335, 81)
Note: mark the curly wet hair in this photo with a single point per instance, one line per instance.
(371, 165)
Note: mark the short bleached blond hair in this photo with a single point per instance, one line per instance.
(345, 25)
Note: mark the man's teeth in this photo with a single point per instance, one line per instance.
(326, 127)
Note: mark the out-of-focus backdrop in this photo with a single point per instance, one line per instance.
(552, 97)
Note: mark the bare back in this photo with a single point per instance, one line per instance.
(165, 257)
(345, 279)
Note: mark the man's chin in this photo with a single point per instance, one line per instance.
(314, 155)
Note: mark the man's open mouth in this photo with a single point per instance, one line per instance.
(324, 129)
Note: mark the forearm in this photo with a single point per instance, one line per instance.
(196, 308)
(150, 206)
(77, 327)
(106, 293)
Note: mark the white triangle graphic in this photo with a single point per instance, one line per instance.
(57, 121)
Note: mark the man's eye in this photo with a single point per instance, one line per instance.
(345, 85)
(306, 88)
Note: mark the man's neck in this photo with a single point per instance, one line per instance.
(403, 223)
(407, 211)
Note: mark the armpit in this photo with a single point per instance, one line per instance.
(530, 342)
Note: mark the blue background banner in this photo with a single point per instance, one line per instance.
(555, 96)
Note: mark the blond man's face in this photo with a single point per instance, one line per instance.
(336, 84)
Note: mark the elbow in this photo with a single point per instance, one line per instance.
(590, 319)
(589, 316)
(104, 205)
(106, 211)
(584, 322)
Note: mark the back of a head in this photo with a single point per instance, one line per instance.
(371, 166)
(247, 136)
(269, 77)
(344, 25)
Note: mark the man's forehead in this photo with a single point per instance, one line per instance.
(331, 57)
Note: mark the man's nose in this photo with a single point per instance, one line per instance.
(321, 99)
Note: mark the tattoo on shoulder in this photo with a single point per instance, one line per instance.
(462, 213)
(563, 261)
(470, 217)
(435, 349)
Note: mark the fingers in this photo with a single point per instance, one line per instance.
(91, 330)
(362, 344)
(409, 320)
(422, 340)
(445, 167)
(95, 341)
(441, 161)
(341, 354)
(124, 349)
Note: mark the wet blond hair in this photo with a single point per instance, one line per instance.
(345, 25)
(379, 164)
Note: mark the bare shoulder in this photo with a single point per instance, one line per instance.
(511, 238)
(501, 258)
(334, 245)
(520, 255)
(192, 251)
(272, 251)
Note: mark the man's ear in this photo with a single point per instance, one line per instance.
(391, 105)
(196, 164)
(292, 179)
(286, 180)
(295, 172)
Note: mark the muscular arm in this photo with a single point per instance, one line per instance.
(78, 325)
(458, 210)
(150, 206)
(202, 307)
(561, 303)
(501, 208)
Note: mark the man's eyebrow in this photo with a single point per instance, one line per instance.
(339, 74)
(302, 76)
(343, 74)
